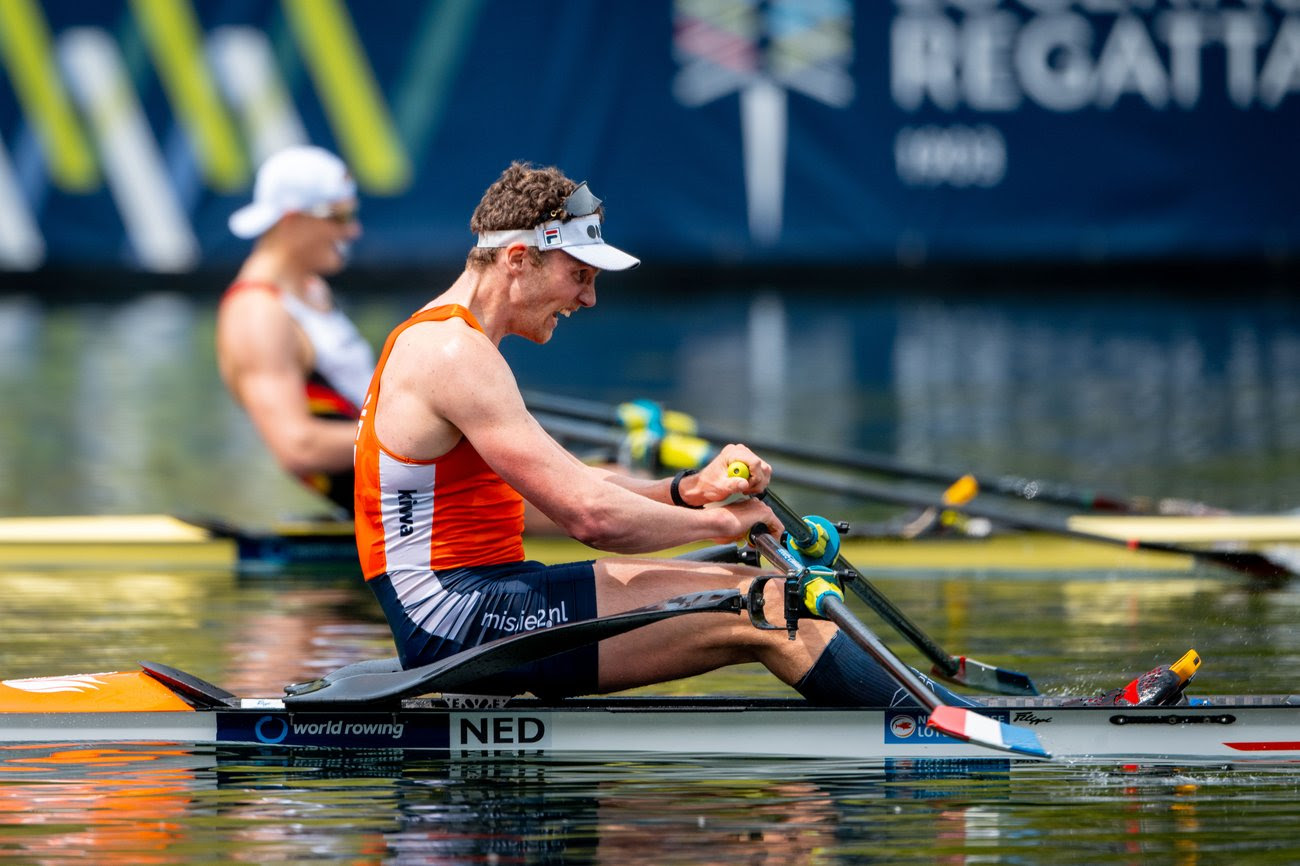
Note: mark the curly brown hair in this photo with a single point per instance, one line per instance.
(522, 197)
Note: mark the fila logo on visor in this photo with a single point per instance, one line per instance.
(552, 237)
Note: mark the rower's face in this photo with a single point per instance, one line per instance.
(561, 286)
(326, 234)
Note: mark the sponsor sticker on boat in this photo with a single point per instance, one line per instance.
(335, 730)
(909, 726)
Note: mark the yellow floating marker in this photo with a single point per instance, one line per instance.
(961, 491)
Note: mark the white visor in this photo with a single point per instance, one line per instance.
(579, 237)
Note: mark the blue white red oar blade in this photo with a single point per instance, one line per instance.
(969, 726)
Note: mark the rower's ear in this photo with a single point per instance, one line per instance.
(515, 256)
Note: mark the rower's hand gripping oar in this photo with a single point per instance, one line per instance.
(811, 540)
(818, 593)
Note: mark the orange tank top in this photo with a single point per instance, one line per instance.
(430, 515)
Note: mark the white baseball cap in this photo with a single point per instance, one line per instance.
(290, 181)
(580, 236)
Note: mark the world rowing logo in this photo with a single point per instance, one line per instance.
(53, 685)
(271, 730)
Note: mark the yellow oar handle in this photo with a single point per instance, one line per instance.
(738, 469)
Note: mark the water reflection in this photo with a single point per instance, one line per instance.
(146, 804)
(1093, 388)
(110, 805)
(252, 635)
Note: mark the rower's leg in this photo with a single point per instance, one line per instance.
(823, 666)
(689, 646)
(845, 676)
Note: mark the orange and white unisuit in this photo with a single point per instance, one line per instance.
(426, 515)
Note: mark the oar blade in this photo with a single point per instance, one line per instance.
(965, 724)
(983, 677)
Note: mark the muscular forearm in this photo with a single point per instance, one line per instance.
(651, 488)
(604, 516)
(653, 526)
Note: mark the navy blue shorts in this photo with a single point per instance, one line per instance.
(435, 615)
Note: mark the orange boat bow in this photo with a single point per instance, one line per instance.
(131, 691)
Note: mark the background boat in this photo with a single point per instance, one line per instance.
(166, 541)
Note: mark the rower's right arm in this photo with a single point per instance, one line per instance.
(263, 359)
(443, 380)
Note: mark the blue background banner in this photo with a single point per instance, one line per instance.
(745, 132)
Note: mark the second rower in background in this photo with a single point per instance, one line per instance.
(291, 358)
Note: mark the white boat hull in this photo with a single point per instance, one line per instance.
(1229, 730)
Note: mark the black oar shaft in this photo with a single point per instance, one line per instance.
(837, 612)
(1255, 564)
(865, 589)
(966, 671)
(1029, 489)
(1249, 562)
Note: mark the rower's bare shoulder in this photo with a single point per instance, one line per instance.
(254, 331)
(446, 348)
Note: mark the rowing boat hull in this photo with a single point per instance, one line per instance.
(1230, 730)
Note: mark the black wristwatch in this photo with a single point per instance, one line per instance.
(676, 493)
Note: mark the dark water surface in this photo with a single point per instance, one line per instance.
(116, 408)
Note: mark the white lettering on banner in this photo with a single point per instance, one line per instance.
(960, 156)
(993, 56)
(999, 56)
